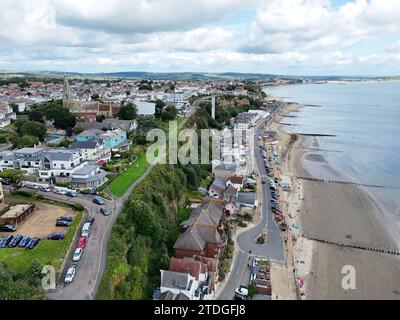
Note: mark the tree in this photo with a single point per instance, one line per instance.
(64, 119)
(34, 128)
(160, 105)
(169, 114)
(19, 286)
(36, 116)
(26, 141)
(128, 111)
(14, 176)
(14, 107)
(69, 132)
(19, 122)
(251, 291)
(100, 118)
(54, 111)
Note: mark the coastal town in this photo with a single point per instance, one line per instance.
(235, 241)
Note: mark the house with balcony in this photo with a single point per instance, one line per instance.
(88, 177)
(94, 151)
(59, 164)
(54, 166)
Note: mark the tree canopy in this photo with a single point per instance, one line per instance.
(34, 128)
(160, 105)
(169, 114)
(128, 111)
(14, 176)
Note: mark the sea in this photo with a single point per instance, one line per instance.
(364, 118)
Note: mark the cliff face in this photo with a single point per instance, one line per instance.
(233, 102)
(143, 236)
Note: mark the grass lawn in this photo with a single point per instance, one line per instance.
(122, 183)
(47, 252)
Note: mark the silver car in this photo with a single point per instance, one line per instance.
(77, 254)
(69, 277)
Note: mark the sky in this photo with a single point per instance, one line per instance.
(289, 37)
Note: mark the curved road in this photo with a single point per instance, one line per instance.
(91, 267)
(246, 241)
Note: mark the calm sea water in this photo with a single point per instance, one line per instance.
(365, 117)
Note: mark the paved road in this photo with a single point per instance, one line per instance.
(272, 249)
(92, 265)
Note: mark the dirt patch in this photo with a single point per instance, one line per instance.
(42, 222)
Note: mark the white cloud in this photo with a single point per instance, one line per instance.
(145, 16)
(315, 24)
(283, 36)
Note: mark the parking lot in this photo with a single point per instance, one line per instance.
(42, 222)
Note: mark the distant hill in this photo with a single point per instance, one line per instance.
(175, 75)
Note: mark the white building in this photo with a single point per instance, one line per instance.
(6, 114)
(93, 150)
(178, 283)
(54, 166)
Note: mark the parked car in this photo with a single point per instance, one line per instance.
(86, 230)
(8, 228)
(5, 241)
(241, 293)
(71, 194)
(32, 243)
(77, 254)
(82, 243)
(105, 211)
(14, 243)
(69, 277)
(63, 223)
(58, 191)
(90, 220)
(5, 181)
(56, 236)
(24, 242)
(98, 201)
(45, 189)
(68, 219)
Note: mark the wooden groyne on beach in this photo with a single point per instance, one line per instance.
(347, 183)
(351, 245)
(315, 135)
(316, 149)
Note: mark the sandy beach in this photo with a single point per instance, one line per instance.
(337, 213)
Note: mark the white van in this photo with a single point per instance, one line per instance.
(86, 230)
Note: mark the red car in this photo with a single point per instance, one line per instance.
(82, 243)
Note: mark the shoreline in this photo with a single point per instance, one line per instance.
(342, 213)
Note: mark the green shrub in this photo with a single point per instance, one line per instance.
(78, 207)
(22, 193)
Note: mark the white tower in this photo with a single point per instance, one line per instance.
(213, 108)
(66, 93)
